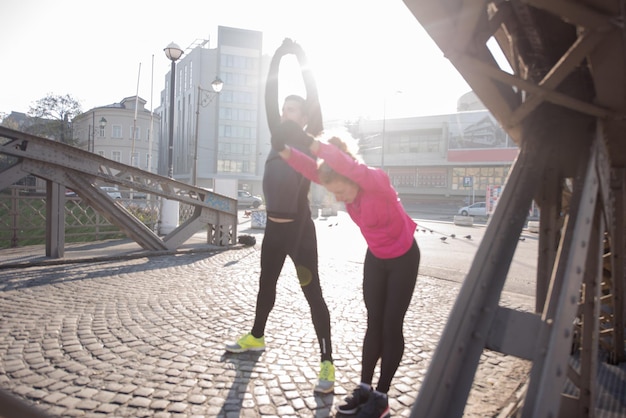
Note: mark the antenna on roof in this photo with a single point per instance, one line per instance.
(198, 43)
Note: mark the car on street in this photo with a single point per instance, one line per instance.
(245, 198)
(477, 209)
(113, 192)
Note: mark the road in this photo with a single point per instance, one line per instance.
(450, 259)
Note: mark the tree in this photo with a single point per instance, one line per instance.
(52, 116)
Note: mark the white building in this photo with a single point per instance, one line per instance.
(108, 131)
(450, 156)
(230, 127)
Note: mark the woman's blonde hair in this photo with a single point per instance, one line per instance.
(325, 172)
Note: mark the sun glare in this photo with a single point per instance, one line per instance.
(290, 78)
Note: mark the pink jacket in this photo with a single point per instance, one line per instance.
(377, 210)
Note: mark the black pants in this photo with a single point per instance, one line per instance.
(387, 291)
(297, 240)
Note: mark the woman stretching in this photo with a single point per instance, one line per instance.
(391, 261)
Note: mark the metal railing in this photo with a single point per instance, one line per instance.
(62, 166)
(23, 217)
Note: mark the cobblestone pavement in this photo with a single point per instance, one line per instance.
(145, 337)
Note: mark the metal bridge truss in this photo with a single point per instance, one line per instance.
(63, 166)
(564, 103)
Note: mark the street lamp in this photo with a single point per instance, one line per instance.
(91, 147)
(173, 53)
(170, 208)
(205, 97)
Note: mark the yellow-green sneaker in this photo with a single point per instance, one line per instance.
(326, 382)
(247, 343)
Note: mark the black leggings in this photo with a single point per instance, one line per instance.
(297, 240)
(387, 290)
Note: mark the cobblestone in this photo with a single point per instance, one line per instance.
(145, 337)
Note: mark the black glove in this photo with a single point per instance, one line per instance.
(290, 133)
(287, 47)
(301, 140)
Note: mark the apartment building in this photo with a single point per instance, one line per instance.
(126, 132)
(221, 135)
(457, 155)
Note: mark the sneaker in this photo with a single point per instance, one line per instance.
(377, 406)
(326, 382)
(359, 396)
(247, 343)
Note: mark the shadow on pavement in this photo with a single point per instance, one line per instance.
(21, 278)
(244, 365)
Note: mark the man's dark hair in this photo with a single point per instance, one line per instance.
(303, 103)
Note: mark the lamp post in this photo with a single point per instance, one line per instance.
(170, 208)
(91, 146)
(205, 97)
(173, 53)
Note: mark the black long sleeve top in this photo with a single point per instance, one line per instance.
(286, 191)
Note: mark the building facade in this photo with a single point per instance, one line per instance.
(225, 135)
(221, 135)
(457, 156)
(126, 132)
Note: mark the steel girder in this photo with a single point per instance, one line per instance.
(563, 100)
(61, 164)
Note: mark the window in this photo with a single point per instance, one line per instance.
(234, 131)
(226, 96)
(237, 61)
(432, 177)
(226, 112)
(116, 156)
(403, 179)
(234, 166)
(482, 176)
(180, 84)
(134, 159)
(229, 113)
(432, 146)
(242, 97)
(116, 131)
(137, 133)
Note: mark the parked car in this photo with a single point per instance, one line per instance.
(477, 209)
(244, 198)
(112, 191)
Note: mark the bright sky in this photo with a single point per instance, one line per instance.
(361, 52)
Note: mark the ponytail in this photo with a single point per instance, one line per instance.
(339, 143)
(325, 172)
